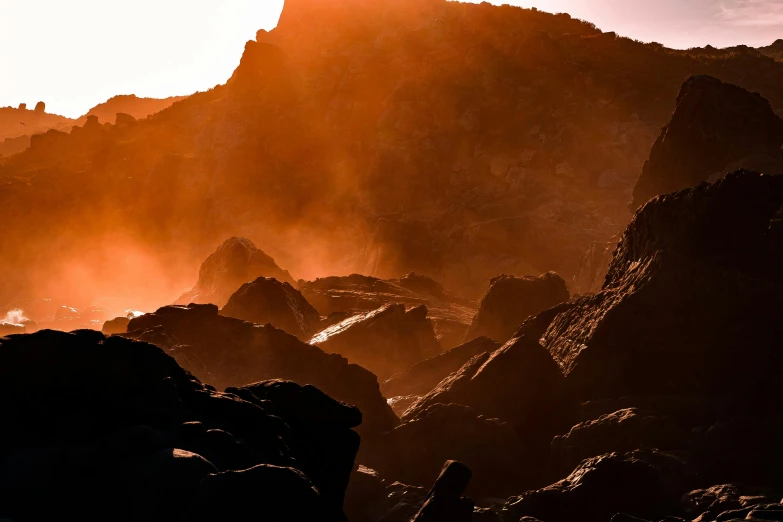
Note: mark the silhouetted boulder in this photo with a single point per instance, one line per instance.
(229, 352)
(423, 376)
(234, 263)
(114, 326)
(642, 483)
(268, 301)
(444, 502)
(95, 422)
(385, 341)
(518, 383)
(714, 124)
(510, 300)
(40, 107)
(691, 302)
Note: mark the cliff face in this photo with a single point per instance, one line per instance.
(457, 140)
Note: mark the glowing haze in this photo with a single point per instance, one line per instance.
(76, 54)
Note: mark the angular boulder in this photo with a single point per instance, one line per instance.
(422, 377)
(511, 300)
(229, 352)
(714, 125)
(234, 263)
(691, 303)
(385, 341)
(268, 301)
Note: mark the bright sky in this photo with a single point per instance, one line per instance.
(74, 54)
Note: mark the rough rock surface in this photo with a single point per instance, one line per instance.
(450, 314)
(698, 263)
(268, 301)
(385, 341)
(511, 300)
(94, 422)
(422, 377)
(714, 125)
(234, 263)
(229, 352)
(623, 430)
(593, 265)
(642, 483)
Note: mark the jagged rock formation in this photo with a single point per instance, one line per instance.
(101, 422)
(234, 263)
(699, 262)
(268, 301)
(450, 314)
(229, 352)
(340, 143)
(385, 341)
(715, 125)
(423, 376)
(511, 300)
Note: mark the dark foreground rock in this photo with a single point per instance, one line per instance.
(233, 264)
(643, 483)
(229, 352)
(414, 451)
(714, 125)
(422, 377)
(268, 301)
(93, 423)
(444, 502)
(385, 341)
(510, 300)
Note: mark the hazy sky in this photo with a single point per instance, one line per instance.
(74, 54)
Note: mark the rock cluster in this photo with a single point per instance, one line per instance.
(95, 423)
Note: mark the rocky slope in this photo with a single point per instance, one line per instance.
(455, 140)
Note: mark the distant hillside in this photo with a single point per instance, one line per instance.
(458, 140)
(17, 124)
(129, 104)
(773, 51)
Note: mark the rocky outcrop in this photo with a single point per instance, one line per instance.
(510, 300)
(450, 314)
(698, 266)
(96, 422)
(385, 341)
(714, 125)
(233, 264)
(229, 352)
(118, 325)
(422, 377)
(642, 483)
(268, 301)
